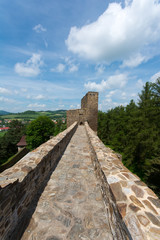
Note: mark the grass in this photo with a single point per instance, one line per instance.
(9, 159)
(2, 133)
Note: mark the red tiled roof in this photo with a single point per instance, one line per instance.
(4, 128)
(22, 142)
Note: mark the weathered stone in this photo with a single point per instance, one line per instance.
(123, 183)
(155, 230)
(156, 201)
(150, 192)
(140, 183)
(143, 220)
(121, 176)
(127, 191)
(75, 232)
(98, 196)
(79, 195)
(134, 208)
(153, 219)
(122, 209)
(19, 210)
(112, 179)
(66, 221)
(136, 201)
(134, 227)
(126, 175)
(26, 169)
(117, 191)
(5, 203)
(148, 204)
(76, 165)
(53, 238)
(89, 221)
(139, 192)
(7, 224)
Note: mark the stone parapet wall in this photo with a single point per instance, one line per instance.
(20, 183)
(78, 115)
(130, 204)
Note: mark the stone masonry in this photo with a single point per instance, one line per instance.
(74, 188)
(88, 111)
(89, 195)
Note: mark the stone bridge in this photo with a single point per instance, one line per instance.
(73, 187)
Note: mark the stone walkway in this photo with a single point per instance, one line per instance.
(71, 206)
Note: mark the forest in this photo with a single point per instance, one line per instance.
(134, 132)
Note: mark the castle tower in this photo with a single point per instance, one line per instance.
(88, 111)
(90, 104)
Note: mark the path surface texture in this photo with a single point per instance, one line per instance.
(71, 205)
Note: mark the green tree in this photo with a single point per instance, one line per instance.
(8, 143)
(39, 131)
(60, 126)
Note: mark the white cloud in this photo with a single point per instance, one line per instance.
(6, 100)
(4, 90)
(61, 106)
(123, 95)
(119, 33)
(111, 93)
(140, 83)
(134, 95)
(60, 68)
(46, 43)
(36, 105)
(108, 103)
(16, 92)
(134, 61)
(31, 67)
(24, 89)
(39, 97)
(73, 68)
(39, 28)
(115, 81)
(69, 64)
(100, 68)
(72, 107)
(155, 76)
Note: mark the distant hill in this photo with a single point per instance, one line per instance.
(30, 115)
(4, 112)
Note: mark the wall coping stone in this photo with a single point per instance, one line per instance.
(138, 206)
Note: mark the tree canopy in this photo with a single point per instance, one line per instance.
(39, 131)
(8, 143)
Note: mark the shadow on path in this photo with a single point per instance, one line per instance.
(25, 220)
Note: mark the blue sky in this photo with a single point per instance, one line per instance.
(53, 52)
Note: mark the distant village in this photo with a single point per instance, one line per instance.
(4, 124)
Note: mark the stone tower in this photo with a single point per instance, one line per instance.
(88, 111)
